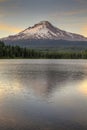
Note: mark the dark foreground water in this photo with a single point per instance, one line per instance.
(43, 95)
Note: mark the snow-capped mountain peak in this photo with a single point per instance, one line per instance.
(42, 30)
(45, 30)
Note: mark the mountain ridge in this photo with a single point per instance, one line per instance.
(46, 31)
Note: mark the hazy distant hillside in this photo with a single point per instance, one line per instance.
(50, 44)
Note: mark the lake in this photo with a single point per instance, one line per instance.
(43, 94)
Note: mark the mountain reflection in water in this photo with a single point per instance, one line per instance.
(43, 94)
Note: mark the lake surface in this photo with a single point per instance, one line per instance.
(43, 95)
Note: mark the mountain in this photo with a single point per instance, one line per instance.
(45, 36)
(44, 31)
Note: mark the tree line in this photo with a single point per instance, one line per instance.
(8, 52)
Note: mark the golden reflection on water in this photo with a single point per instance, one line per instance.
(83, 87)
(8, 88)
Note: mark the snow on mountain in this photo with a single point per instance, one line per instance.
(45, 30)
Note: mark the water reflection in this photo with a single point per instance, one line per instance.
(45, 94)
(82, 87)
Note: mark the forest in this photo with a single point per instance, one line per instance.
(17, 52)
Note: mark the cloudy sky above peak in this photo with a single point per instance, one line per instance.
(69, 15)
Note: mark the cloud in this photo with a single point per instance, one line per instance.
(9, 28)
(1, 0)
(1, 15)
(81, 1)
(76, 12)
(71, 13)
(84, 30)
(4, 0)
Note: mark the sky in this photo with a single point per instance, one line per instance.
(17, 15)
